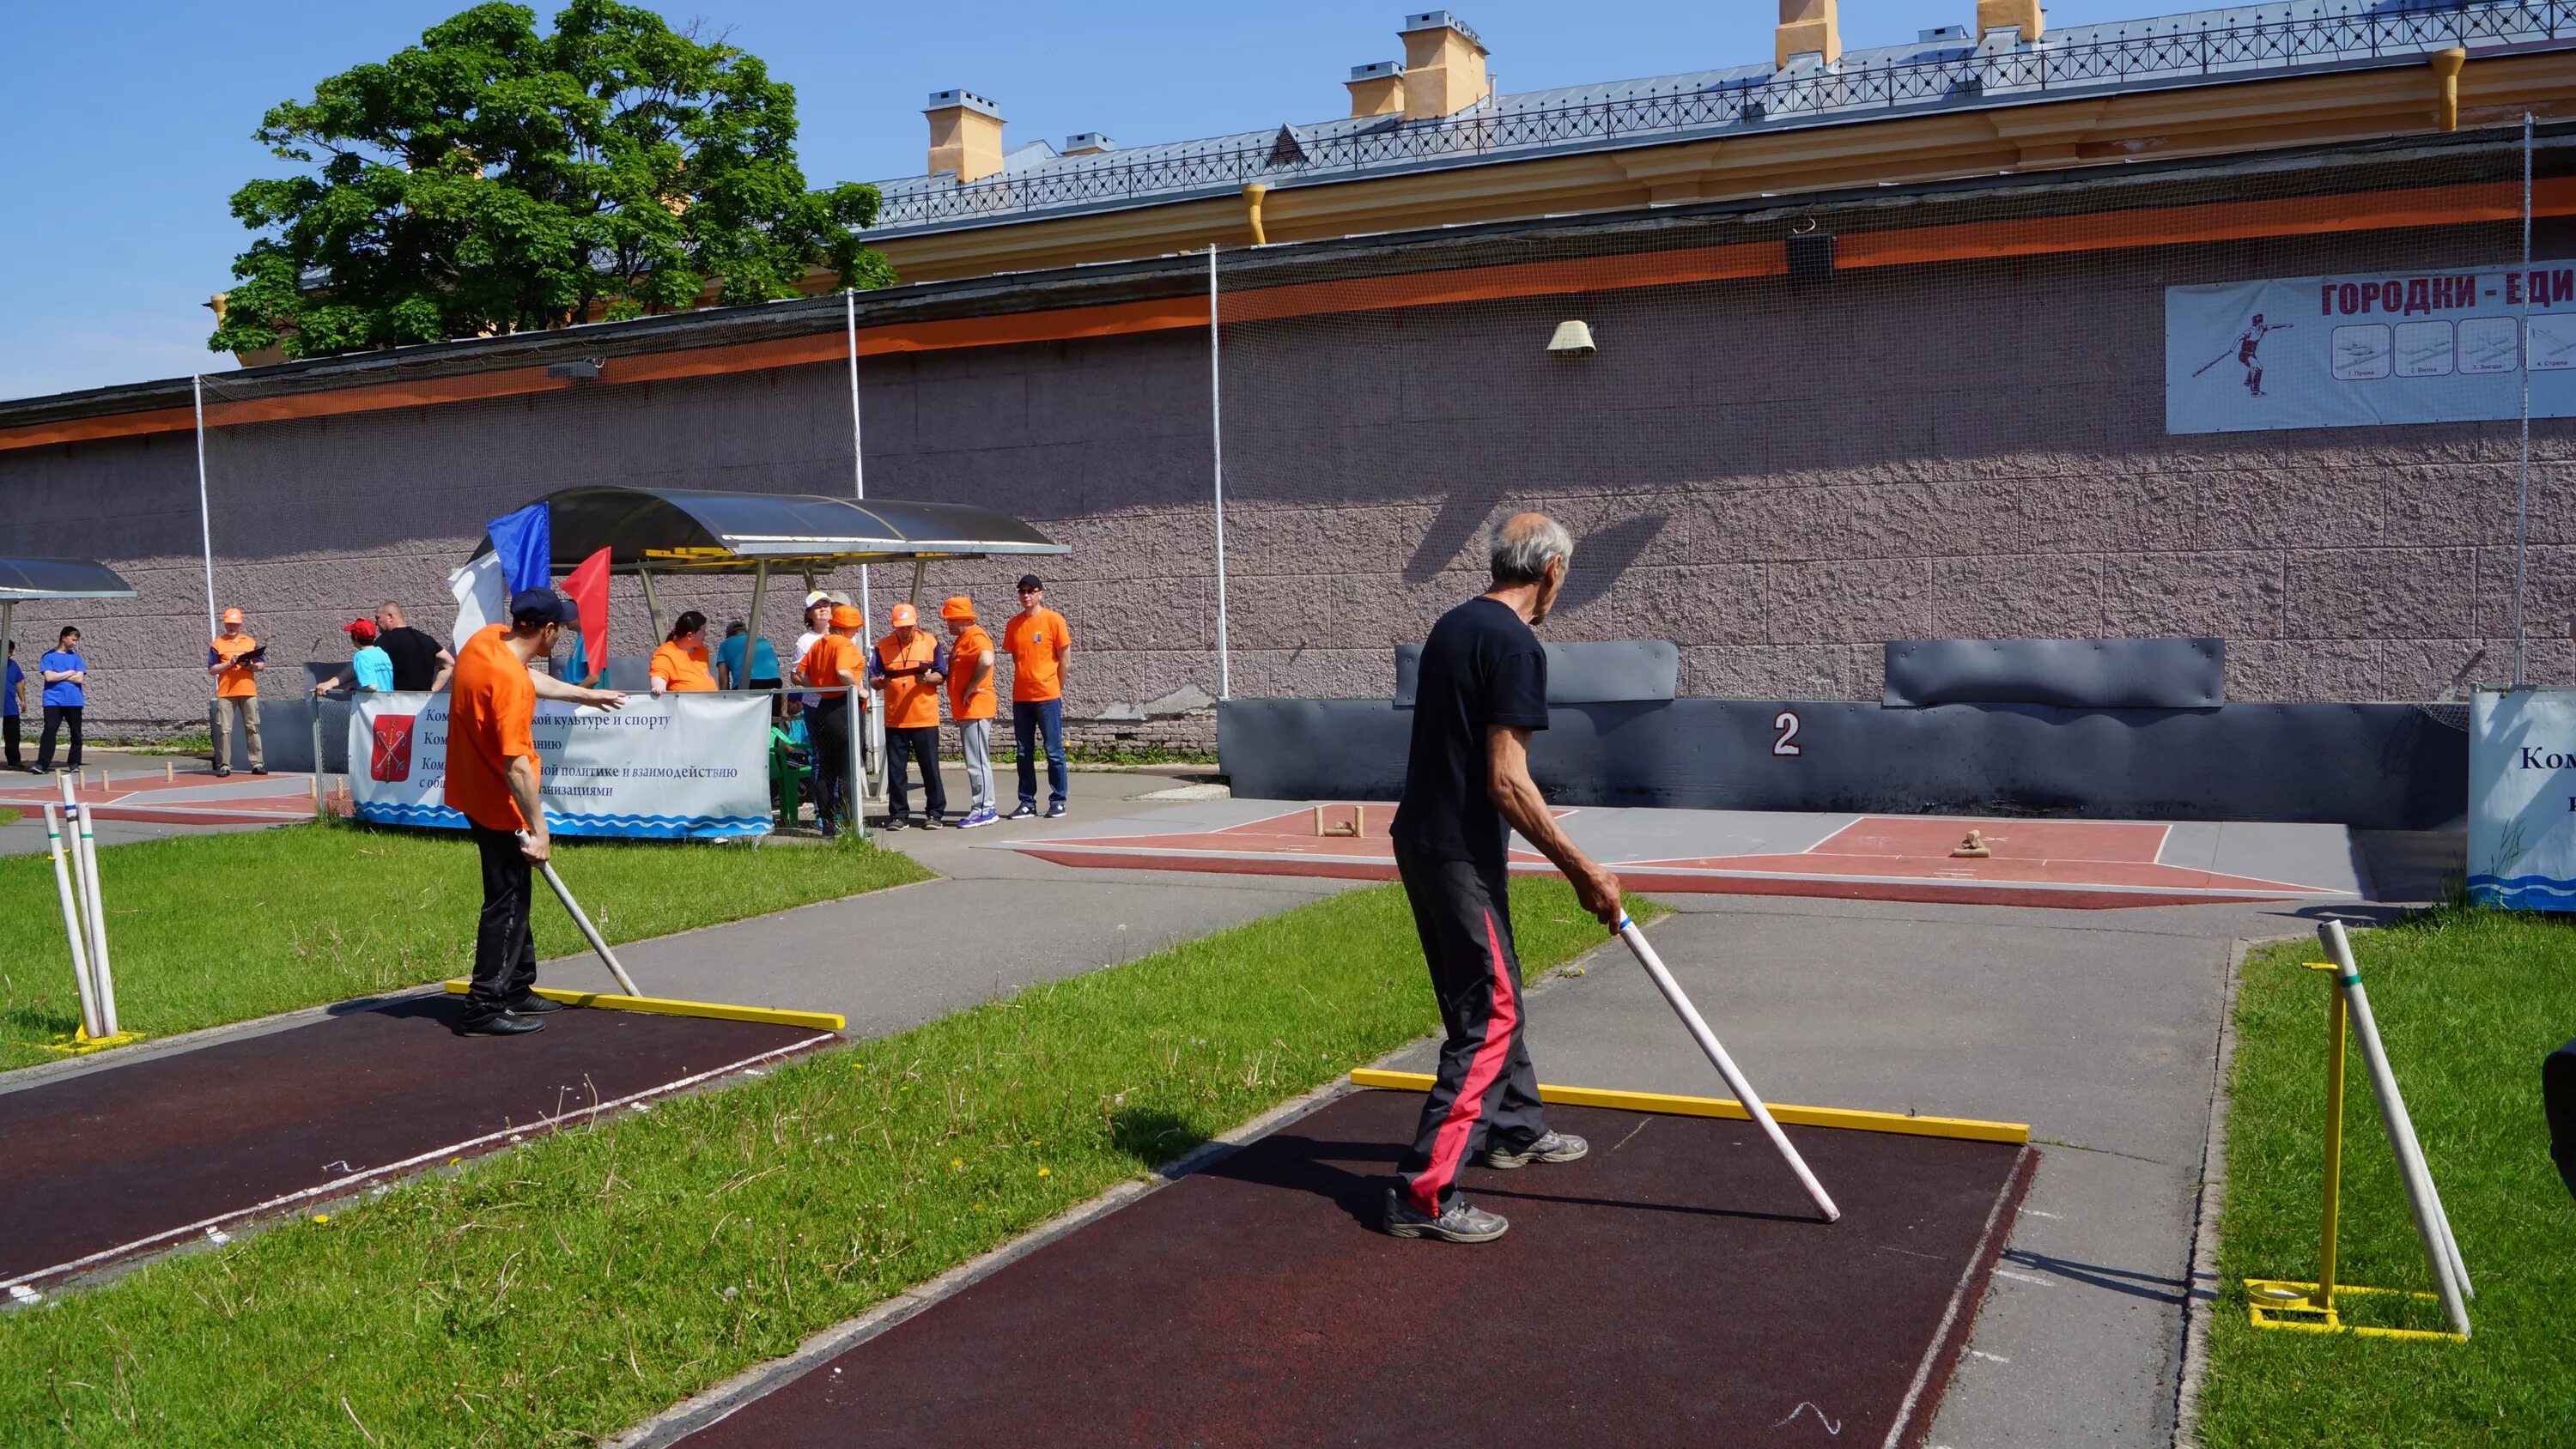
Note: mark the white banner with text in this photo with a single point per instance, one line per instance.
(2522, 798)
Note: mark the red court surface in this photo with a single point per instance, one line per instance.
(144, 1156)
(1675, 1287)
(192, 799)
(2069, 864)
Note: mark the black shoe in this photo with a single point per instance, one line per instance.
(1025, 812)
(931, 822)
(1055, 811)
(898, 823)
(504, 1023)
(1458, 1223)
(259, 769)
(1552, 1147)
(534, 1005)
(222, 770)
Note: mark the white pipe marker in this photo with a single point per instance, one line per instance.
(597, 943)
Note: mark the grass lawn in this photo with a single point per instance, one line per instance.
(209, 929)
(2468, 1003)
(562, 1291)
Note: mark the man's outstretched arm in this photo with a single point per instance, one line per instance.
(1516, 795)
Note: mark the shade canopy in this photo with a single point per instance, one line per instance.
(682, 530)
(22, 579)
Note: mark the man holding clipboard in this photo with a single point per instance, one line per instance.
(235, 660)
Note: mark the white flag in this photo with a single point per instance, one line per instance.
(482, 597)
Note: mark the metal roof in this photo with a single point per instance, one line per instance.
(2198, 48)
(22, 579)
(680, 530)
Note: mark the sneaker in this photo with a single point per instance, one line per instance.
(534, 1005)
(1459, 1223)
(222, 770)
(1026, 811)
(979, 816)
(1553, 1147)
(898, 822)
(259, 769)
(931, 822)
(507, 1023)
(1055, 811)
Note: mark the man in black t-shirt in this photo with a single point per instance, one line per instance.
(420, 662)
(1481, 690)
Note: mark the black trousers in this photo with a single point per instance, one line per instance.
(505, 952)
(9, 738)
(56, 715)
(827, 727)
(1486, 1094)
(920, 744)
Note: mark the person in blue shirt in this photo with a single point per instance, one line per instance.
(764, 668)
(13, 699)
(66, 677)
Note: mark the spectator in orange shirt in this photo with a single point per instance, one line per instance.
(971, 704)
(909, 665)
(1038, 640)
(680, 664)
(492, 779)
(235, 660)
(833, 660)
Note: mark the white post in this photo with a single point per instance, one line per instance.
(2522, 477)
(851, 714)
(73, 927)
(204, 516)
(105, 978)
(1725, 1064)
(1216, 431)
(2441, 1250)
(858, 434)
(581, 918)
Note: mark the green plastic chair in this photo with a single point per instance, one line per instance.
(787, 776)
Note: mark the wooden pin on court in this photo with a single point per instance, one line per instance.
(1350, 829)
(1972, 848)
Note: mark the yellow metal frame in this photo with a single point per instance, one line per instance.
(1966, 1128)
(658, 1006)
(2294, 1307)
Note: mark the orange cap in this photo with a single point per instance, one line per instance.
(845, 617)
(903, 614)
(232, 616)
(958, 607)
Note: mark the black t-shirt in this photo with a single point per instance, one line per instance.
(415, 656)
(1481, 667)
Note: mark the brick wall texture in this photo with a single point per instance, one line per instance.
(1778, 479)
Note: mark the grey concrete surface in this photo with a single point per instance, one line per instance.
(27, 835)
(2098, 1028)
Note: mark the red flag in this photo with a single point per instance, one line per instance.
(587, 587)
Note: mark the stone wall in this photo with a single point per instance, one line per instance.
(1780, 480)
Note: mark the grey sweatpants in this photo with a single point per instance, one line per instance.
(977, 736)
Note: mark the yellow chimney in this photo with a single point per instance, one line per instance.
(2024, 15)
(965, 135)
(1444, 66)
(1376, 90)
(1807, 25)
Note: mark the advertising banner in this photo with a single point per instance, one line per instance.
(684, 766)
(2367, 350)
(2522, 798)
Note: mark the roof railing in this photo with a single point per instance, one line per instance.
(2367, 31)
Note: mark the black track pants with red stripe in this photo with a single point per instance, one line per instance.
(1486, 1093)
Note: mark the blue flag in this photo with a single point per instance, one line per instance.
(525, 543)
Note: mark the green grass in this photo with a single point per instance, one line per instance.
(2468, 1003)
(10, 814)
(566, 1289)
(209, 929)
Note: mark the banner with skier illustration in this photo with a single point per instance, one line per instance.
(2368, 350)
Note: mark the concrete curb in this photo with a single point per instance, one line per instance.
(2202, 1291)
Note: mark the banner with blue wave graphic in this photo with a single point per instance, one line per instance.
(681, 767)
(2522, 798)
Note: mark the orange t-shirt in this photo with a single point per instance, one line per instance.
(824, 662)
(684, 670)
(910, 703)
(1037, 642)
(489, 713)
(240, 681)
(965, 702)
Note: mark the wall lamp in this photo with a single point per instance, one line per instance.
(1572, 339)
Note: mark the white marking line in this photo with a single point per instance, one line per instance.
(17, 1285)
(1949, 1315)
(2023, 1278)
(1981, 882)
(1804, 1407)
(1988, 1357)
(2034, 1212)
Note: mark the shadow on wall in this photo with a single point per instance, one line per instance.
(1601, 556)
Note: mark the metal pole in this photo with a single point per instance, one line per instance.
(751, 647)
(314, 703)
(205, 516)
(105, 978)
(1725, 1064)
(582, 919)
(2334, 1146)
(917, 566)
(2522, 478)
(653, 613)
(2441, 1252)
(1216, 432)
(851, 715)
(858, 435)
(73, 928)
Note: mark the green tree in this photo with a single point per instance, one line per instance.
(497, 179)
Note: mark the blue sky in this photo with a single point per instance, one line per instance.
(128, 124)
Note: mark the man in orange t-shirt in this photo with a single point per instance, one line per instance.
(971, 704)
(235, 660)
(833, 659)
(910, 664)
(492, 781)
(1038, 641)
(680, 663)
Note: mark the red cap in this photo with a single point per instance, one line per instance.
(362, 630)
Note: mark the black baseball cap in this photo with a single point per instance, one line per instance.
(1031, 581)
(532, 607)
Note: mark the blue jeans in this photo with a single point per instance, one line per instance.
(1027, 717)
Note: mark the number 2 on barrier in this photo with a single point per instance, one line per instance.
(1786, 722)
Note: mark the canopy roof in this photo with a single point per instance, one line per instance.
(60, 578)
(687, 530)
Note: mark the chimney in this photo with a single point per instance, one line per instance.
(1376, 90)
(1811, 27)
(965, 135)
(2022, 15)
(1086, 143)
(1444, 66)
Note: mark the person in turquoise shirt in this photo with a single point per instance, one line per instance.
(764, 662)
(66, 677)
